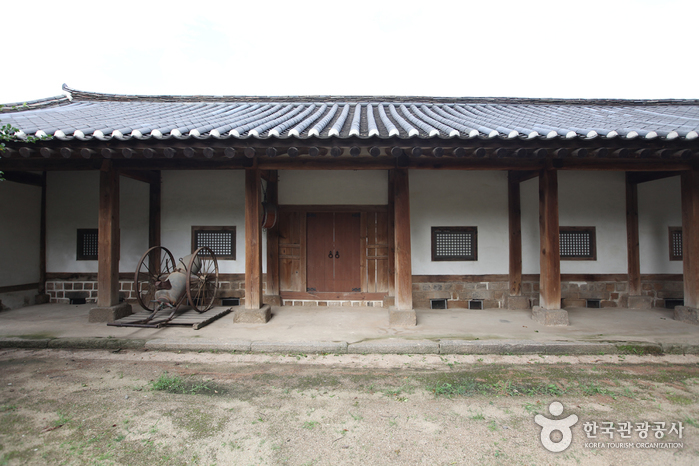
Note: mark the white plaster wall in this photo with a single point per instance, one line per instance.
(333, 187)
(203, 198)
(659, 207)
(73, 202)
(585, 198)
(459, 198)
(20, 212)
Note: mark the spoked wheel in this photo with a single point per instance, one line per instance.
(203, 279)
(154, 267)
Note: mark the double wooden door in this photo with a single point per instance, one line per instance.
(333, 251)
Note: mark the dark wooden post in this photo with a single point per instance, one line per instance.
(515, 228)
(253, 240)
(391, 234)
(273, 239)
(154, 212)
(632, 242)
(404, 278)
(108, 238)
(549, 262)
(690, 237)
(42, 243)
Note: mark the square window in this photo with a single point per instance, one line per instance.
(577, 243)
(454, 244)
(88, 244)
(221, 240)
(675, 243)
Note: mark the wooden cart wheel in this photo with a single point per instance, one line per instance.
(154, 267)
(203, 279)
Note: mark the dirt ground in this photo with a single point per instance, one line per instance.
(152, 408)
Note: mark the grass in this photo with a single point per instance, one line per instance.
(175, 384)
(310, 425)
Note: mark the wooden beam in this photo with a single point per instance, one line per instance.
(42, 237)
(643, 177)
(549, 262)
(108, 247)
(24, 178)
(690, 237)
(404, 278)
(632, 242)
(273, 238)
(515, 229)
(253, 240)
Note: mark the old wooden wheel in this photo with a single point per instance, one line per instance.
(154, 268)
(203, 279)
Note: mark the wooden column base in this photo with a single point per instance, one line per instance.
(109, 313)
(687, 315)
(402, 317)
(253, 316)
(550, 317)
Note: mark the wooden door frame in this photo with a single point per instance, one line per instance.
(346, 296)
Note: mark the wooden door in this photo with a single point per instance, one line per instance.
(333, 252)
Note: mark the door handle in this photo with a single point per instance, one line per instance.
(337, 254)
(330, 254)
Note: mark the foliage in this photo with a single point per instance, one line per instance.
(9, 133)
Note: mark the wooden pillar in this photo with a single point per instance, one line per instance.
(515, 228)
(404, 277)
(549, 262)
(108, 247)
(391, 234)
(632, 242)
(154, 213)
(42, 238)
(690, 237)
(253, 239)
(273, 238)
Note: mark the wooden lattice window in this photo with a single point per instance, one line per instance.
(675, 243)
(577, 243)
(454, 243)
(88, 244)
(221, 240)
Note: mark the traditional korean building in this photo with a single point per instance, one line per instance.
(403, 203)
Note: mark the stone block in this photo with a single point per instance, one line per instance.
(550, 317)
(253, 316)
(272, 300)
(389, 301)
(397, 346)
(640, 302)
(41, 298)
(198, 345)
(109, 314)
(517, 302)
(457, 304)
(491, 304)
(686, 314)
(605, 303)
(573, 302)
(306, 347)
(402, 318)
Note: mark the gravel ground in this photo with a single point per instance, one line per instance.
(102, 407)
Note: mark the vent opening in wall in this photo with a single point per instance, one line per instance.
(88, 244)
(221, 240)
(675, 243)
(593, 303)
(78, 301)
(438, 303)
(672, 303)
(230, 302)
(475, 304)
(577, 243)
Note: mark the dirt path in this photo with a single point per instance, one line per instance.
(99, 407)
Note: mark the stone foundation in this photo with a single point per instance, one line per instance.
(495, 294)
(331, 303)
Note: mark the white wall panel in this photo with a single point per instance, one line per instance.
(20, 217)
(659, 207)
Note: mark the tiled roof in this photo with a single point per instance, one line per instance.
(102, 116)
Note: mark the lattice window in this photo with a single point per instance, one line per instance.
(221, 240)
(675, 243)
(577, 243)
(88, 244)
(454, 244)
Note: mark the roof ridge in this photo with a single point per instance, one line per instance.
(33, 104)
(96, 96)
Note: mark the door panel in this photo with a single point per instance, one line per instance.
(321, 251)
(347, 251)
(291, 252)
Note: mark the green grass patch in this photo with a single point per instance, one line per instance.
(175, 384)
(639, 349)
(679, 400)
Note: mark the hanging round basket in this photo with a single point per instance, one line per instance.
(270, 214)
